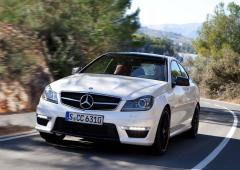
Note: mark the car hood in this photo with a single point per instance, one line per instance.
(113, 85)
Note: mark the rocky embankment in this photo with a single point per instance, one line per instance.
(23, 69)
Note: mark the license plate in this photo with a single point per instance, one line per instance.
(84, 118)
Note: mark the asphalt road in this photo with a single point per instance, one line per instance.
(216, 147)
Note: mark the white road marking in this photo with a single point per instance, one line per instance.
(234, 104)
(220, 147)
(17, 136)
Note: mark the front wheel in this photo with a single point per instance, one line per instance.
(163, 133)
(52, 138)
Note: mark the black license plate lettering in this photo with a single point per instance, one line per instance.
(85, 118)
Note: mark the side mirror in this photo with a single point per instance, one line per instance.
(181, 81)
(75, 70)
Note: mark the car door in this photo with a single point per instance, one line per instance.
(189, 99)
(177, 99)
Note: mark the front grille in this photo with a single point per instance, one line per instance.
(106, 131)
(100, 102)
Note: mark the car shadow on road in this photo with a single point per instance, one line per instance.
(183, 152)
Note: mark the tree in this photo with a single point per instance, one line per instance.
(148, 44)
(221, 29)
(219, 41)
(74, 31)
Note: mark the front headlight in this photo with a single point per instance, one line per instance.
(50, 95)
(140, 104)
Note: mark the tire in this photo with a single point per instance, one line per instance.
(52, 138)
(192, 133)
(163, 133)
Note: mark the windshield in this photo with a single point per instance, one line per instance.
(130, 65)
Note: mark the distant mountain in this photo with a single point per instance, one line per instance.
(187, 30)
(177, 38)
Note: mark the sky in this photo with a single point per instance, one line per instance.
(158, 12)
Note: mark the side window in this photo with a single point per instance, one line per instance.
(184, 74)
(175, 71)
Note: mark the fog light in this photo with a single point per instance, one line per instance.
(136, 132)
(42, 119)
(135, 128)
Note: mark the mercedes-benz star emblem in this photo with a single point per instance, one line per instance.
(86, 101)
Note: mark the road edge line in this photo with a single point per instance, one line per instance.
(220, 146)
(17, 136)
(221, 101)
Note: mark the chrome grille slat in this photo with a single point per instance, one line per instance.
(105, 103)
(100, 102)
(69, 99)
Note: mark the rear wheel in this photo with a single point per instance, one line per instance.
(195, 123)
(163, 132)
(53, 138)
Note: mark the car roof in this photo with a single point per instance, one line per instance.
(142, 54)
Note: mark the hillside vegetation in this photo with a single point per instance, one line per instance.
(217, 69)
(41, 41)
(179, 42)
(73, 31)
(55, 35)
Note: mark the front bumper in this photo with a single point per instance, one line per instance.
(127, 124)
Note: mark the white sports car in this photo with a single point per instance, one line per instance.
(133, 98)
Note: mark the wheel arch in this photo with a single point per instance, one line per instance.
(163, 103)
(169, 108)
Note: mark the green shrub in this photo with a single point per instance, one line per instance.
(217, 69)
(223, 78)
